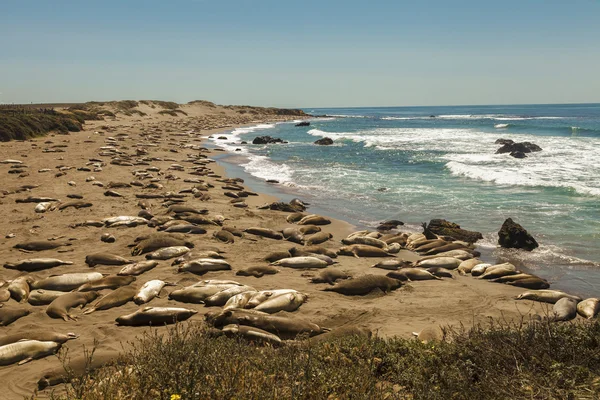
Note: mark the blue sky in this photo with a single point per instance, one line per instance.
(301, 53)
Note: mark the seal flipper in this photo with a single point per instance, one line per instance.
(25, 361)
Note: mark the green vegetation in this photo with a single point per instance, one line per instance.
(22, 124)
(538, 360)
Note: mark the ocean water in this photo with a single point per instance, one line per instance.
(419, 163)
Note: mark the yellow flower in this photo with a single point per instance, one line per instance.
(175, 397)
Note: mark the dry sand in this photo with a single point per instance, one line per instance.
(462, 300)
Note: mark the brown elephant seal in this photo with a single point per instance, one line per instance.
(444, 248)
(224, 236)
(466, 266)
(197, 294)
(204, 265)
(77, 204)
(498, 271)
(440, 272)
(530, 283)
(330, 276)
(8, 315)
(309, 229)
(186, 228)
(36, 264)
(105, 259)
(364, 285)
(363, 250)
(264, 232)
(109, 282)
(366, 240)
(40, 245)
(201, 253)
(42, 297)
(257, 271)
(589, 308)
(314, 220)
(293, 235)
(276, 256)
(412, 274)
(108, 238)
(546, 296)
(252, 334)
(180, 208)
(234, 231)
(77, 367)
(19, 288)
(564, 309)
(392, 265)
(220, 299)
(116, 298)
(60, 307)
(158, 241)
(295, 217)
(310, 250)
(318, 238)
(156, 316)
(26, 350)
(341, 332)
(441, 262)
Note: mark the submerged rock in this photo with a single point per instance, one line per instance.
(513, 235)
(303, 123)
(518, 154)
(508, 146)
(324, 142)
(447, 228)
(267, 140)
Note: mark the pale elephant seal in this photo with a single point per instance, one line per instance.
(546, 296)
(466, 266)
(589, 308)
(240, 300)
(314, 220)
(284, 302)
(109, 282)
(105, 259)
(41, 297)
(60, 307)
(26, 350)
(330, 276)
(204, 265)
(137, 268)
(412, 274)
(391, 265)
(276, 256)
(309, 250)
(460, 254)
(364, 285)
(530, 283)
(258, 298)
(8, 315)
(158, 241)
(156, 316)
(301, 262)
(257, 271)
(19, 288)
(149, 290)
(564, 309)
(317, 238)
(77, 367)
(116, 298)
(499, 270)
(168, 252)
(4, 295)
(479, 269)
(251, 334)
(430, 334)
(221, 298)
(197, 294)
(264, 232)
(66, 282)
(196, 254)
(440, 262)
(36, 264)
(42, 336)
(363, 250)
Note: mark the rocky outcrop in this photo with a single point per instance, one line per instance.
(267, 140)
(509, 146)
(389, 225)
(447, 228)
(324, 142)
(303, 123)
(514, 236)
(281, 206)
(518, 154)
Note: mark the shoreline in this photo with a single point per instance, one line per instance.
(417, 305)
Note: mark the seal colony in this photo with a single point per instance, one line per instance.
(175, 240)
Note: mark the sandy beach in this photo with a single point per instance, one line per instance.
(460, 300)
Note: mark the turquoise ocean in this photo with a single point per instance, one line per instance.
(419, 163)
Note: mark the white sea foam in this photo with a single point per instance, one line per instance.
(501, 126)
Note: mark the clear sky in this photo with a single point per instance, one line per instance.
(301, 53)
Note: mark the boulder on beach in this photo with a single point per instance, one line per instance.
(513, 235)
(509, 146)
(303, 123)
(389, 225)
(267, 140)
(324, 142)
(447, 228)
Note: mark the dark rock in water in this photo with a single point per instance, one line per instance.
(272, 181)
(504, 141)
(432, 116)
(244, 142)
(238, 149)
(513, 235)
(389, 225)
(267, 140)
(383, 189)
(324, 142)
(447, 228)
(303, 123)
(518, 154)
(222, 138)
(524, 147)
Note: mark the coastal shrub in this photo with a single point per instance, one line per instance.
(538, 360)
(173, 113)
(23, 126)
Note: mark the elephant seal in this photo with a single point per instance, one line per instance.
(362, 250)
(40, 245)
(168, 252)
(240, 300)
(109, 282)
(314, 220)
(77, 367)
(156, 316)
(284, 327)
(258, 298)
(66, 282)
(391, 265)
(546, 296)
(264, 232)
(425, 245)
(149, 290)
(224, 236)
(440, 262)
(105, 259)
(284, 302)
(430, 334)
(221, 298)
(317, 238)
(330, 276)
(197, 294)
(412, 274)
(564, 309)
(293, 235)
(137, 268)
(234, 231)
(364, 285)
(252, 334)
(310, 250)
(77, 204)
(186, 228)
(366, 240)
(479, 269)
(440, 272)
(158, 241)
(4, 295)
(295, 217)
(41, 297)
(466, 266)
(499, 270)
(116, 298)
(108, 238)
(301, 262)
(589, 308)
(42, 336)
(460, 254)
(60, 307)
(309, 229)
(36, 264)
(276, 256)
(204, 265)
(8, 315)
(26, 350)
(180, 208)
(257, 271)
(444, 248)
(337, 333)
(530, 283)
(19, 288)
